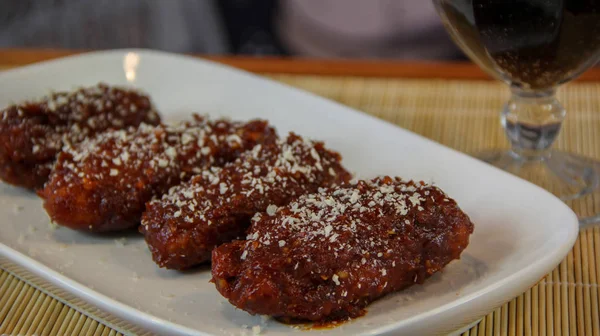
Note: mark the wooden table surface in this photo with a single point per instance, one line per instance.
(363, 68)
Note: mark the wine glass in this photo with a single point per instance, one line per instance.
(533, 46)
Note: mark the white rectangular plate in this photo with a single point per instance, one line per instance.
(521, 231)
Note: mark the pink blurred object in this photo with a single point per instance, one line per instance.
(364, 29)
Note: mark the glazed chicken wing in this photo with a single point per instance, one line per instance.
(33, 133)
(183, 226)
(103, 183)
(330, 253)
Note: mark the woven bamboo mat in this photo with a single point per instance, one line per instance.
(460, 114)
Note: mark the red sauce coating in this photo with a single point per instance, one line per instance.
(103, 183)
(32, 133)
(215, 207)
(328, 254)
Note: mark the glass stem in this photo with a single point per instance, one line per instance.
(532, 120)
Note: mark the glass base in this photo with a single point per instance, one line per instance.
(572, 178)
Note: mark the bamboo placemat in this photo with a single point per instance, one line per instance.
(460, 114)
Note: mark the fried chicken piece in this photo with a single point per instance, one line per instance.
(32, 133)
(215, 207)
(329, 254)
(103, 183)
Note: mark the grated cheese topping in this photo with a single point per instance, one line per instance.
(277, 171)
(70, 117)
(318, 221)
(163, 151)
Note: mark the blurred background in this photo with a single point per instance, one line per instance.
(374, 29)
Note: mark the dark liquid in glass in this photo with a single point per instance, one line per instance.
(534, 44)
